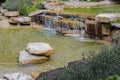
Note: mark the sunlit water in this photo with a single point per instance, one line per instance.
(66, 49)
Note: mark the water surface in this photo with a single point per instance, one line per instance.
(66, 49)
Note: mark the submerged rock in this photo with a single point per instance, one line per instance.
(17, 76)
(25, 58)
(40, 48)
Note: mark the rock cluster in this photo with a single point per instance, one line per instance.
(35, 53)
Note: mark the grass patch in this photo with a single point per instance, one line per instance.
(94, 10)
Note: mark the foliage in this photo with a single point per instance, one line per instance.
(10, 5)
(114, 77)
(97, 67)
(105, 64)
(117, 20)
(23, 6)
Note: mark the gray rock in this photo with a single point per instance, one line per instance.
(17, 76)
(40, 48)
(11, 13)
(21, 19)
(3, 11)
(25, 58)
(107, 17)
(37, 12)
(117, 25)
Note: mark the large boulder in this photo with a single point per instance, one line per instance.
(17, 76)
(25, 58)
(40, 48)
(11, 13)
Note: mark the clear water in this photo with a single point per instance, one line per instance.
(66, 49)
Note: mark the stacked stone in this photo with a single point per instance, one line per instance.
(35, 53)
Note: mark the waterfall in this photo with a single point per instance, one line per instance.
(82, 33)
(49, 25)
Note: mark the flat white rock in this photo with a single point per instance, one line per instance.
(39, 48)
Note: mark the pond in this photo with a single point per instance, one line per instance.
(66, 49)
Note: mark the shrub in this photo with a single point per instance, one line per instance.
(10, 5)
(23, 6)
(97, 67)
(105, 64)
(113, 77)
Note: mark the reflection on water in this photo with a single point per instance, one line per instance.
(66, 49)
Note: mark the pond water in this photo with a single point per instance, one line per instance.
(66, 49)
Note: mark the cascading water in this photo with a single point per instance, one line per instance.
(82, 32)
(49, 25)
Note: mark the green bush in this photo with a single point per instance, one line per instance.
(23, 6)
(114, 77)
(10, 5)
(97, 67)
